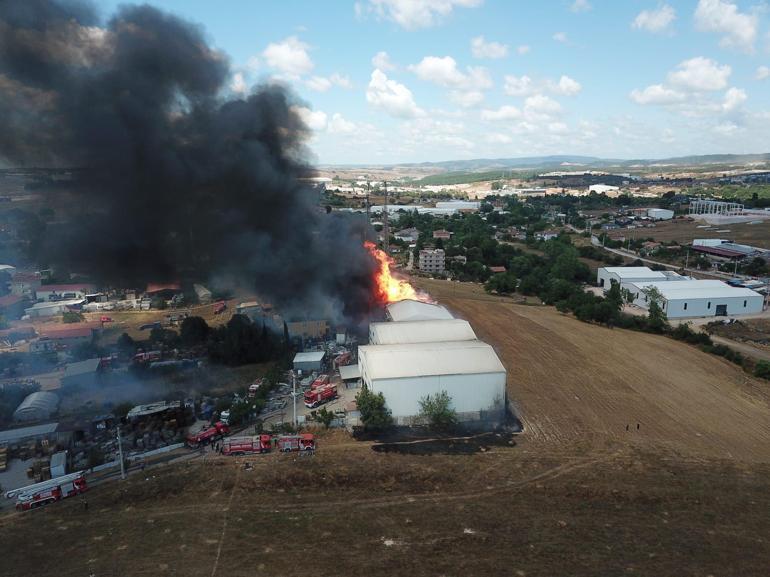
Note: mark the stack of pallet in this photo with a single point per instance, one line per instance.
(3, 458)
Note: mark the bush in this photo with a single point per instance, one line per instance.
(437, 409)
(762, 370)
(374, 414)
(71, 317)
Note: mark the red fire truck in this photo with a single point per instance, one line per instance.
(266, 443)
(208, 435)
(320, 381)
(220, 307)
(320, 395)
(39, 494)
(247, 445)
(288, 443)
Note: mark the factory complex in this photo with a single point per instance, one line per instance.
(681, 296)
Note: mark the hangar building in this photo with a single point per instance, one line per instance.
(699, 298)
(420, 332)
(411, 310)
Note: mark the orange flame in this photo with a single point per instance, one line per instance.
(389, 288)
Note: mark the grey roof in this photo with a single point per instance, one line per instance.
(12, 435)
(309, 357)
(81, 368)
(349, 372)
(37, 405)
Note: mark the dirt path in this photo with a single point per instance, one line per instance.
(576, 380)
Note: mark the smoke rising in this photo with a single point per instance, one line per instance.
(180, 179)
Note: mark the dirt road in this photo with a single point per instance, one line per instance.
(575, 380)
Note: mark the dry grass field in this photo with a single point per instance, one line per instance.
(686, 494)
(684, 231)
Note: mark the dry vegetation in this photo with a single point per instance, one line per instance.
(684, 231)
(686, 494)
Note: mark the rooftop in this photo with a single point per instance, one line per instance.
(429, 359)
(431, 331)
(411, 310)
(309, 357)
(12, 435)
(82, 368)
(691, 289)
(632, 272)
(73, 287)
(73, 332)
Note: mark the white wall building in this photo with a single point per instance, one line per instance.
(432, 260)
(625, 274)
(611, 191)
(469, 371)
(660, 214)
(420, 332)
(699, 298)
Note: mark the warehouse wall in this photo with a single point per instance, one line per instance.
(699, 307)
(471, 394)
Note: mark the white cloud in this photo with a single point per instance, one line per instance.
(503, 113)
(444, 72)
(238, 84)
(391, 96)
(319, 83)
(762, 73)
(499, 138)
(341, 81)
(567, 86)
(468, 98)
(700, 74)
(557, 128)
(560, 37)
(483, 49)
(540, 106)
(523, 49)
(657, 94)
(518, 85)
(733, 99)
(412, 14)
(339, 125)
(655, 21)
(580, 6)
(289, 56)
(314, 119)
(738, 30)
(382, 61)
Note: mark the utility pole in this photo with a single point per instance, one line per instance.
(385, 224)
(687, 260)
(294, 397)
(120, 456)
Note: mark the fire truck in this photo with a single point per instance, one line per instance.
(141, 358)
(220, 307)
(39, 494)
(208, 435)
(320, 381)
(320, 395)
(259, 444)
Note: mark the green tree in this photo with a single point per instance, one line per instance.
(71, 317)
(374, 413)
(126, 344)
(762, 370)
(656, 317)
(437, 409)
(323, 415)
(501, 283)
(194, 331)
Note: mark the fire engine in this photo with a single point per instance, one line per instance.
(266, 443)
(208, 435)
(39, 494)
(147, 357)
(320, 381)
(220, 307)
(320, 395)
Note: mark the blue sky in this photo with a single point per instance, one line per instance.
(388, 81)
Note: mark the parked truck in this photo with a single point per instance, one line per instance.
(208, 435)
(320, 381)
(288, 443)
(320, 395)
(39, 494)
(247, 445)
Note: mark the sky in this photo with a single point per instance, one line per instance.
(396, 81)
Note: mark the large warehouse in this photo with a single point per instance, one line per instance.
(699, 298)
(37, 406)
(410, 310)
(420, 332)
(627, 274)
(469, 371)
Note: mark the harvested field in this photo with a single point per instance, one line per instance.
(351, 511)
(683, 231)
(574, 380)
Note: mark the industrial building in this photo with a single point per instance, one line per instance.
(37, 406)
(725, 249)
(445, 330)
(83, 373)
(309, 361)
(605, 276)
(698, 298)
(51, 309)
(469, 371)
(57, 292)
(660, 214)
(411, 310)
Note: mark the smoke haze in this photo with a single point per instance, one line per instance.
(180, 179)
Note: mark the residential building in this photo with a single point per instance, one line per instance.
(442, 234)
(60, 292)
(432, 260)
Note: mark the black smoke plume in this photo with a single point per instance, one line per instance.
(179, 178)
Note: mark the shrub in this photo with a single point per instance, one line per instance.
(762, 370)
(437, 409)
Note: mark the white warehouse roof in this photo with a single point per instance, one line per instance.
(631, 272)
(411, 310)
(693, 289)
(37, 406)
(421, 332)
(428, 359)
(309, 357)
